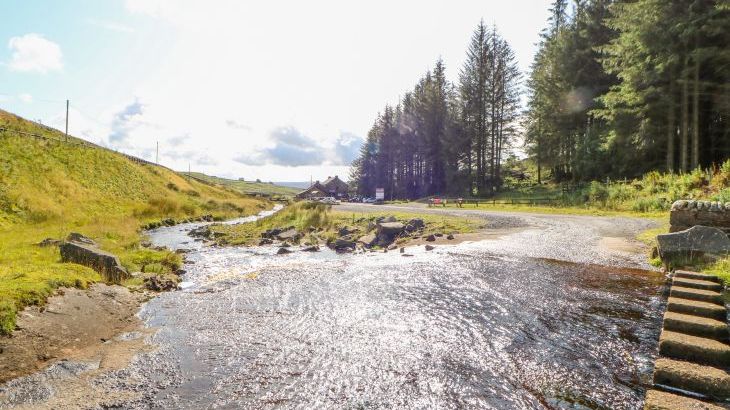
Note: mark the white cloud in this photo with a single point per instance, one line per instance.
(26, 98)
(34, 53)
(110, 25)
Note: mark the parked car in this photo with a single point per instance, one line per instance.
(330, 200)
(368, 200)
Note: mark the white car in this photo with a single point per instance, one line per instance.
(329, 200)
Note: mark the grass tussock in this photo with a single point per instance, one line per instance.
(49, 188)
(301, 215)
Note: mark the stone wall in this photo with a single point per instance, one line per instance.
(105, 263)
(688, 213)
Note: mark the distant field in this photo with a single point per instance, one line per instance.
(248, 187)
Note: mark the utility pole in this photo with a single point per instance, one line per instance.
(188, 172)
(66, 120)
(157, 154)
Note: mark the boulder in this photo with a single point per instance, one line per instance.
(49, 242)
(367, 240)
(387, 232)
(312, 248)
(265, 241)
(430, 247)
(392, 247)
(344, 231)
(271, 233)
(105, 263)
(431, 238)
(290, 234)
(417, 222)
(450, 237)
(693, 242)
(283, 251)
(438, 234)
(342, 244)
(161, 283)
(200, 232)
(414, 225)
(390, 228)
(79, 238)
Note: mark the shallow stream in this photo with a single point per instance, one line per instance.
(514, 322)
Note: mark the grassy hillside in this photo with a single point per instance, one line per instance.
(247, 187)
(49, 187)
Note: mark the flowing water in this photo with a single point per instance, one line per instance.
(495, 324)
(533, 319)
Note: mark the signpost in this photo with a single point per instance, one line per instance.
(379, 194)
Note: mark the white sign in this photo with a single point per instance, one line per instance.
(380, 194)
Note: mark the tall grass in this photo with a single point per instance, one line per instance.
(652, 192)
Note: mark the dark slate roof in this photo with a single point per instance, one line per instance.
(335, 183)
(315, 187)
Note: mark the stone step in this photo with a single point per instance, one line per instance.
(697, 284)
(697, 294)
(708, 381)
(660, 400)
(696, 275)
(697, 308)
(696, 325)
(694, 349)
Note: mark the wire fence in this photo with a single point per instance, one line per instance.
(73, 141)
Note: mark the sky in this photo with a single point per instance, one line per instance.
(276, 90)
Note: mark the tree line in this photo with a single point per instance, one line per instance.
(445, 138)
(617, 88)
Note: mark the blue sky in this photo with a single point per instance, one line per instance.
(272, 90)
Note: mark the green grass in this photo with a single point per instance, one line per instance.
(49, 188)
(248, 187)
(306, 215)
(649, 196)
(720, 268)
(300, 215)
(556, 209)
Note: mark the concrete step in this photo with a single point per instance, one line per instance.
(694, 349)
(697, 308)
(696, 275)
(697, 284)
(696, 325)
(660, 400)
(708, 381)
(697, 294)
